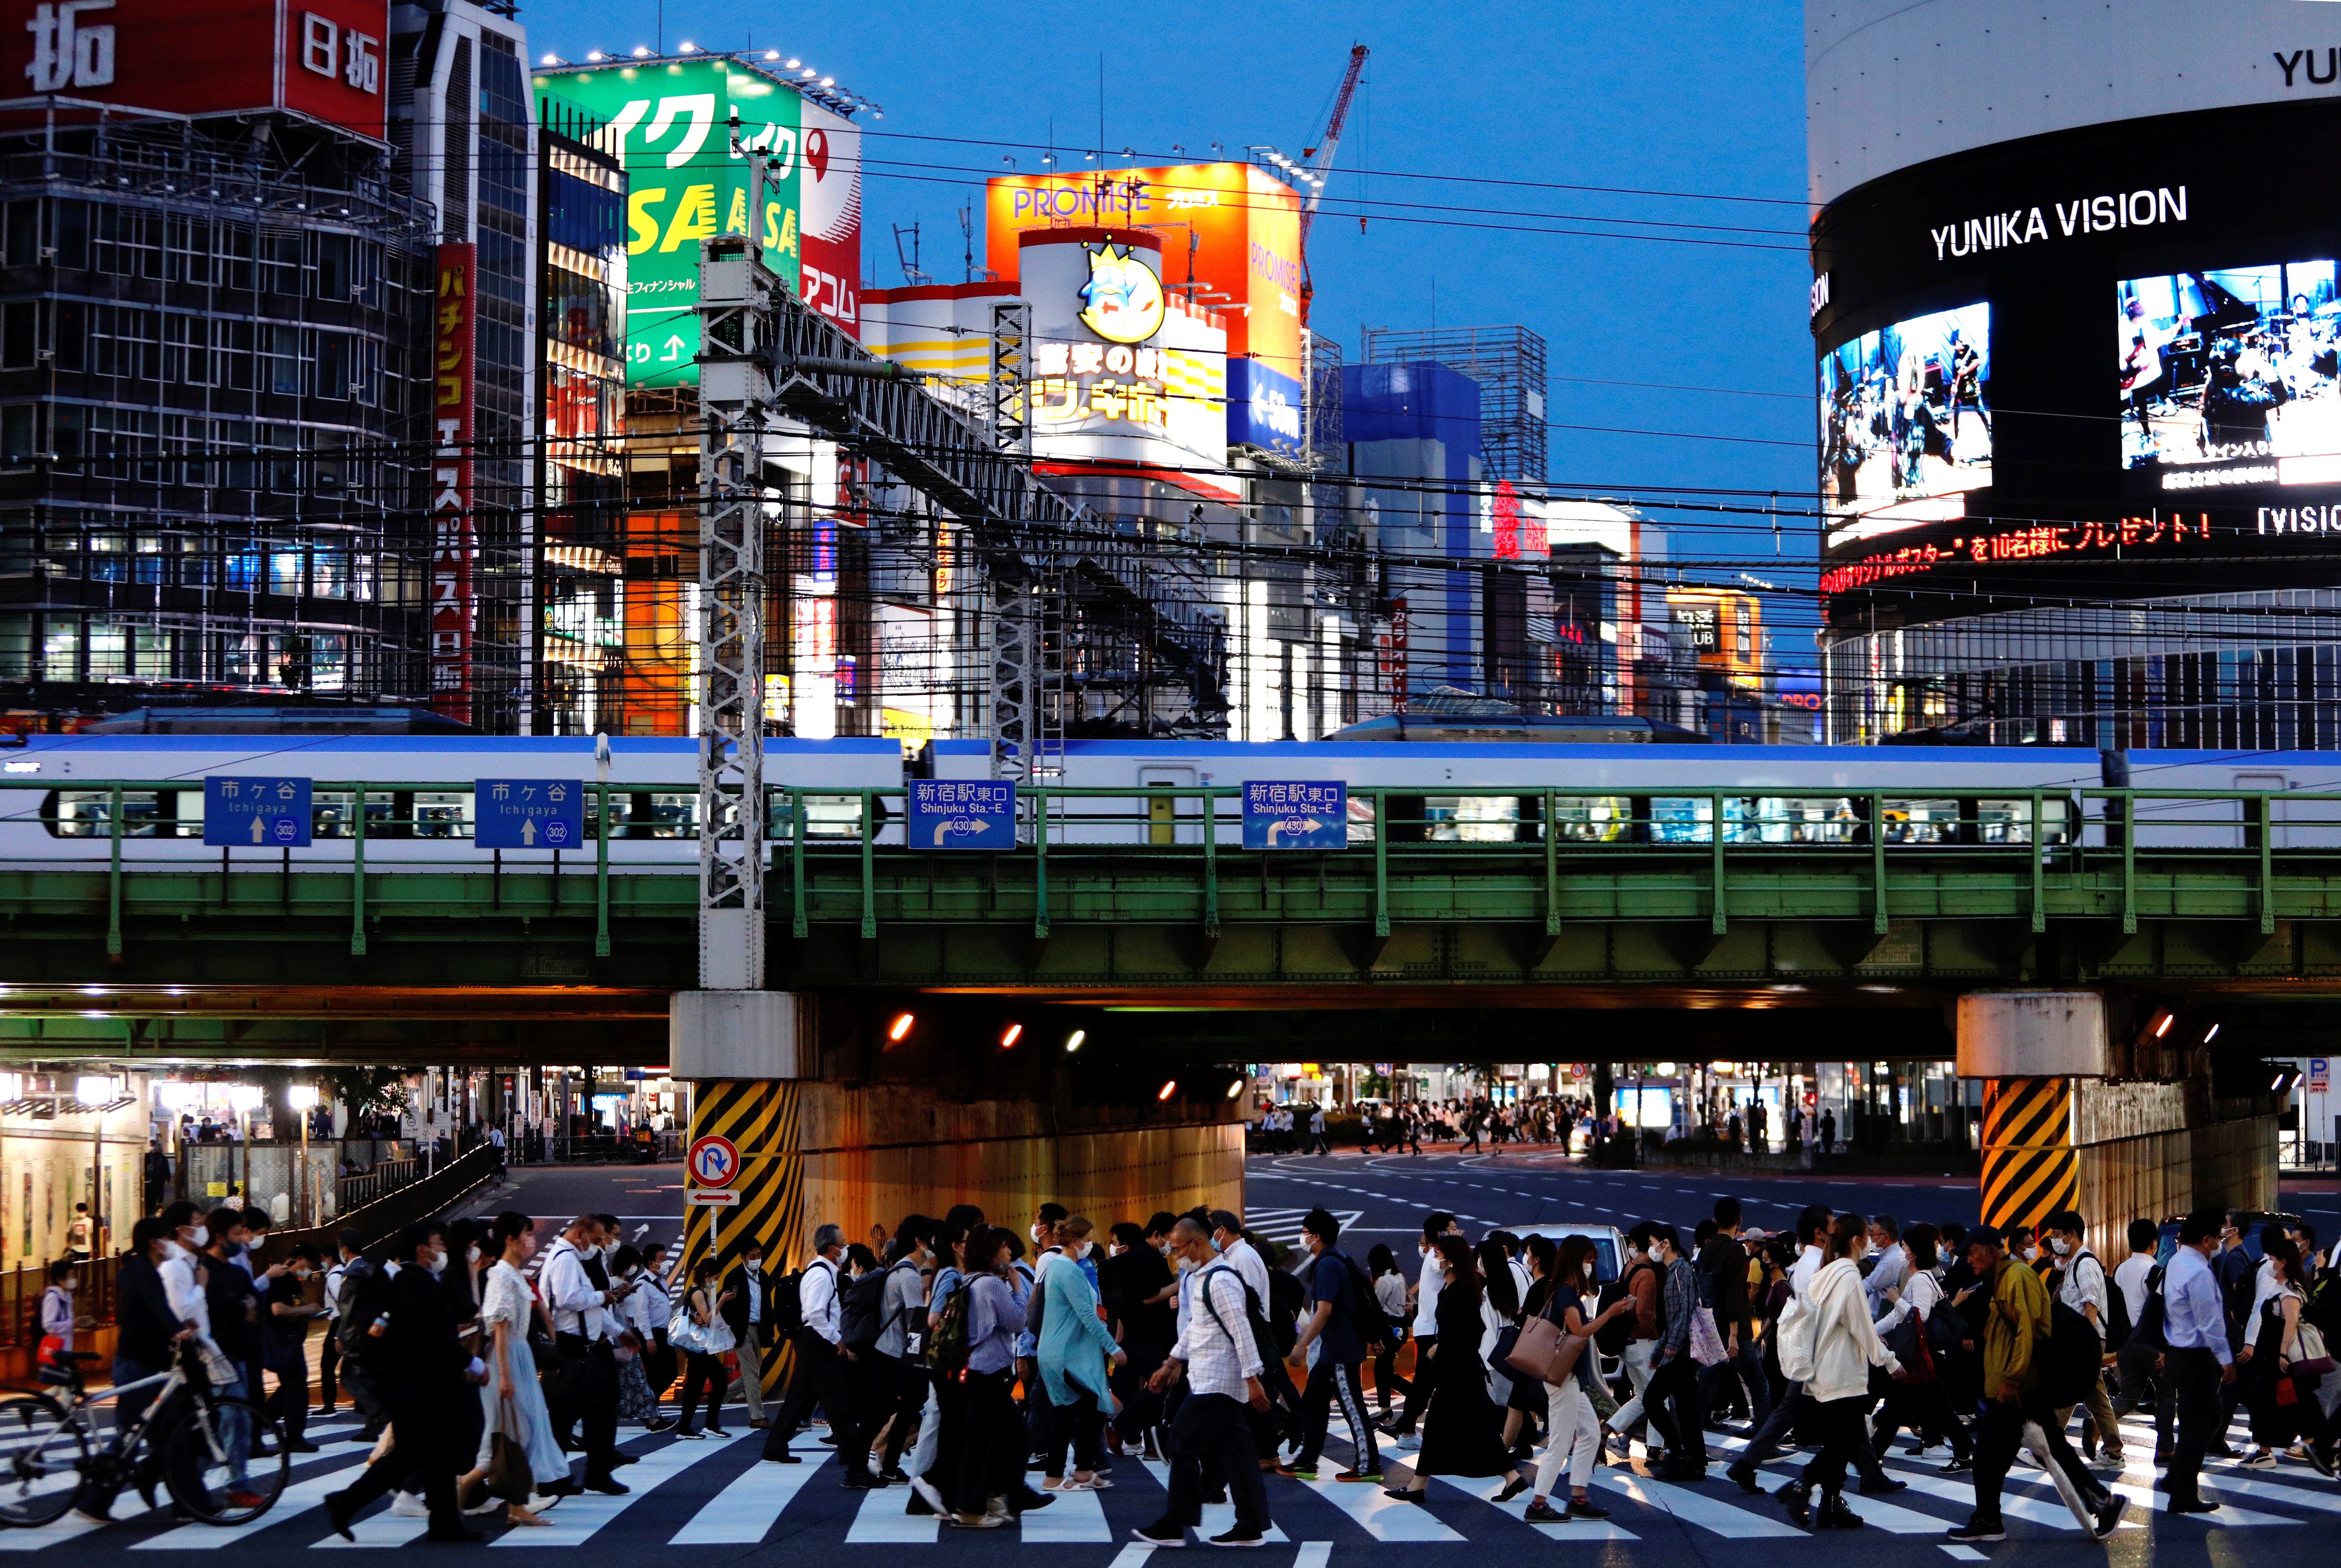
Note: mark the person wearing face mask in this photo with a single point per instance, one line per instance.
(1141, 1294)
(285, 1352)
(747, 1311)
(1426, 1320)
(1339, 1325)
(584, 1331)
(636, 1403)
(57, 1308)
(820, 1372)
(1576, 1441)
(233, 1307)
(430, 1377)
(1074, 1350)
(2080, 1283)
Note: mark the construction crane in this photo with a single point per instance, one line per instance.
(1319, 158)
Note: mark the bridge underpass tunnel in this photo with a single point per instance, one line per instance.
(848, 1107)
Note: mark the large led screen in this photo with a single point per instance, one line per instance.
(2228, 376)
(1905, 422)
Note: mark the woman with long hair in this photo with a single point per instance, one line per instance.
(511, 1402)
(1576, 1430)
(1845, 1348)
(994, 1447)
(1389, 1295)
(1526, 1402)
(703, 1306)
(1461, 1433)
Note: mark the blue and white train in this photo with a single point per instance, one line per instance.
(58, 795)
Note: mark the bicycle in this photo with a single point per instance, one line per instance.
(212, 1448)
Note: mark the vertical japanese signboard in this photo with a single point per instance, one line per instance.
(453, 540)
(1295, 815)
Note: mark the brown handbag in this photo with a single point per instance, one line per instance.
(1546, 1351)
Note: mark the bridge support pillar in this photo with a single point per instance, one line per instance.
(2067, 1124)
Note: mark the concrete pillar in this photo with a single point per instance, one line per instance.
(740, 1050)
(2065, 1127)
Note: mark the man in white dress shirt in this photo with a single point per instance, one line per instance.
(584, 1330)
(820, 1372)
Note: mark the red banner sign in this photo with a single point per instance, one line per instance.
(454, 541)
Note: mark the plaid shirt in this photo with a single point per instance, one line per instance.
(1217, 1345)
(1681, 1301)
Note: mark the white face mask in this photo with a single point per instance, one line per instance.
(1588, 1268)
(472, 1253)
(753, 1264)
(2030, 1254)
(434, 1262)
(201, 1237)
(1037, 1231)
(2061, 1246)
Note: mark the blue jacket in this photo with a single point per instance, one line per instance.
(1075, 1346)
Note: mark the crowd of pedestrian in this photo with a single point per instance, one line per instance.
(991, 1370)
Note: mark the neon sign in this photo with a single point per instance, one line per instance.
(2033, 542)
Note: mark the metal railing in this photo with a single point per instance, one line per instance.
(2033, 832)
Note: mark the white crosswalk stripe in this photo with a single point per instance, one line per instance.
(297, 1498)
(1070, 1517)
(1219, 1518)
(1693, 1507)
(578, 1519)
(880, 1522)
(1382, 1516)
(1485, 1490)
(741, 1513)
(1877, 1511)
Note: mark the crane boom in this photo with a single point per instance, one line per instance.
(1320, 156)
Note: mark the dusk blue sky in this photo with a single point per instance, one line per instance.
(1701, 96)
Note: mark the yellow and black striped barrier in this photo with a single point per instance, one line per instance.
(760, 1116)
(2030, 1168)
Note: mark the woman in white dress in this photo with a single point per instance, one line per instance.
(510, 1399)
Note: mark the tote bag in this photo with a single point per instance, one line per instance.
(1546, 1351)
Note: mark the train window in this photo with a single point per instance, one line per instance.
(443, 814)
(329, 814)
(1680, 818)
(1591, 818)
(1472, 819)
(88, 814)
(1922, 822)
(1362, 820)
(826, 817)
(1803, 821)
(2010, 822)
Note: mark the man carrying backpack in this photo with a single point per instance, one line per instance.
(2081, 1285)
(816, 1333)
(2138, 1281)
(2018, 1411)
(1346, 1325)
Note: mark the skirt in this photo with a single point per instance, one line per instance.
(635, 1400)
(524, 1416)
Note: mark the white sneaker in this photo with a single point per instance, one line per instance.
(927, 1493)
(406, 1505)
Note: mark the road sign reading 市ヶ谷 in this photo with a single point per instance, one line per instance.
(256, 813)
(713, 1160)
(527, 814)
(1298, 815)
(950, 814)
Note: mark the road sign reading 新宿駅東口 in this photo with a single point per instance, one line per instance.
(527, 814)
(951, 815)
(256, 813)
(1297, 815)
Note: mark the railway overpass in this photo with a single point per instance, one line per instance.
(2129, 981)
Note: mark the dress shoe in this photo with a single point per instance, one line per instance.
(618, 1459)
(1743, 1476)
(2199, 1505)
(1833, 1514)
(1794, 1499)
(338, 1513)
(609, 1487)
(783, 1457)
(1884, 1486)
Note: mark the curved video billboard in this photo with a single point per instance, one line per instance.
(2102, 361)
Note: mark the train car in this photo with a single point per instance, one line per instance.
(2199, 822)
(1495, 791)
(55, 805)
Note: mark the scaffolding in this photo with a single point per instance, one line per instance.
(1508, 365)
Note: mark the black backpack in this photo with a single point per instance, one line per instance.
(1365, 1313)
(1286, 1299)
(859, 1305)
(785, 1306)
(2148, 1329)
(2073, 1357)
(365, 1302)
(2117, 1322)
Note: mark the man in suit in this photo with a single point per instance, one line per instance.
(750, 1314)
(428, 1376)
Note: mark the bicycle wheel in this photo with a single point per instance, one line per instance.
(224, 1461)
(43, 1452)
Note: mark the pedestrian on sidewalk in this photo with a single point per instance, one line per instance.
(705, 1340)
(512, 1403)
(2080, 1283)
(584, 1332)
(1074, 1351)
(286, 1348)
(1671, 1401)
(1843, 1347)
(1918, 1400)
(993, 1447)
(1389, 1295)
(1425, 1327)
(820, 1373)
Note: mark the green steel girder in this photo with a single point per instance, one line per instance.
(1178, 916)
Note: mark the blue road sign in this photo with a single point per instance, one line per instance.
(1296, 816)
(952, 814)
(527, 814)
(256, 813)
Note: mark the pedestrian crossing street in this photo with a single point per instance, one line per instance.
(716, 1493)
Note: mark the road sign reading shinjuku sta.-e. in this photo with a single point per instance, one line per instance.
(527, 814)
(957, 814)
(1298, 815)
(256, 813)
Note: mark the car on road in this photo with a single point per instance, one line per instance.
(1609, 1243)
(2166, 1241)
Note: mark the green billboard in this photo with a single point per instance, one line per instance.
(671, 122)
